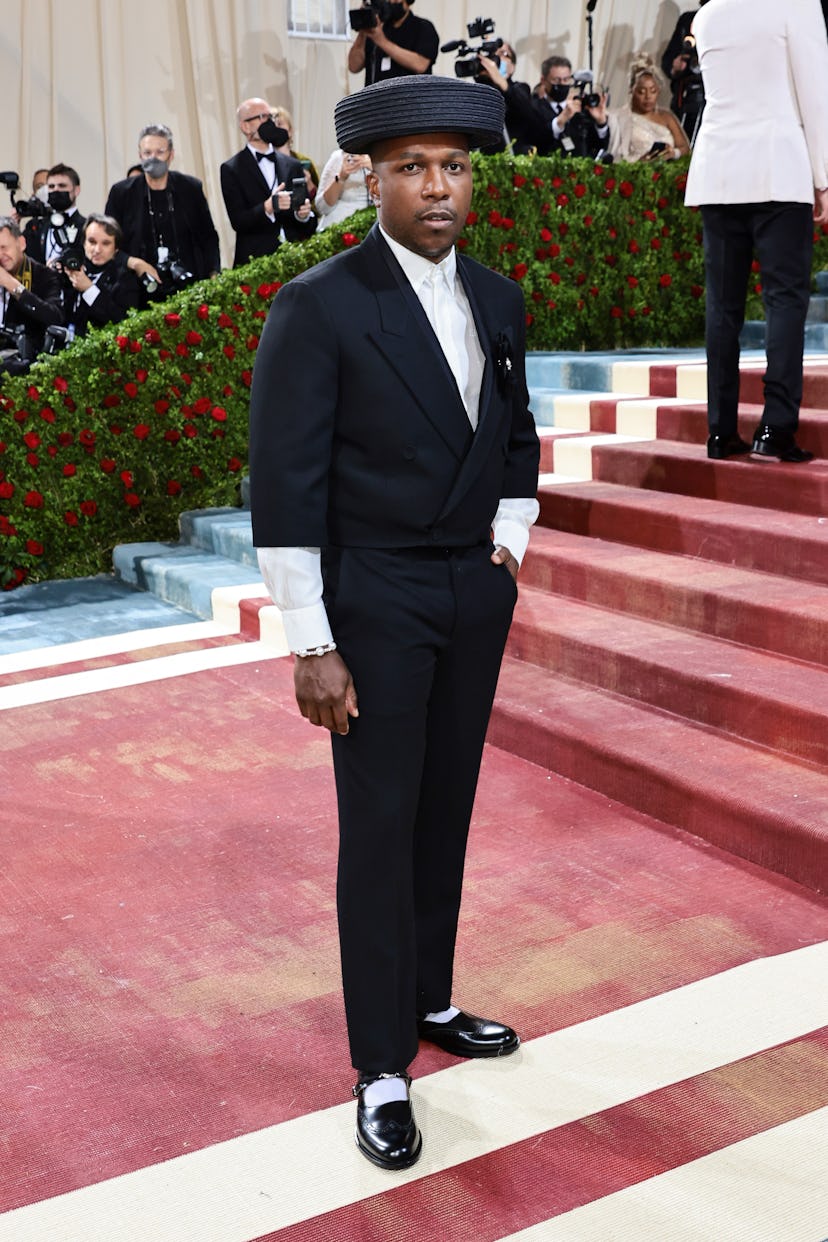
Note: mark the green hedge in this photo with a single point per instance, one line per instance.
(110, 441)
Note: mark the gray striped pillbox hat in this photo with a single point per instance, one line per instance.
(419, 104)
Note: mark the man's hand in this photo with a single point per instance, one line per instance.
(304, 211)
(325, 691)
(8, 280)
(821, 206)
(492, 71)
(679, 65)
(502, 556)
(141, 268)
(281, 197)
(599, 114)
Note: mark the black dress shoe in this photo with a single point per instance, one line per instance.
(719, 447)
(387, 1134)
(770, 442)
(466, 1035)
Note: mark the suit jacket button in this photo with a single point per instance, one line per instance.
(409, 452)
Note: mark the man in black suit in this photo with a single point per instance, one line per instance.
(29, 292)
(167, 227)
(258, 183)
(394, 468)
(48, 236)
(523, 127)
(568, 126)
(681, 65)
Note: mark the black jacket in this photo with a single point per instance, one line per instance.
(118, 292)
(196, 241)
(37, 232)
(38, 307)
(363, 439)
(245, 192)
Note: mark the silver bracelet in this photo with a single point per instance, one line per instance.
(316, 651)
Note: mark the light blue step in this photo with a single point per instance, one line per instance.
(181, 574)
(226, 532)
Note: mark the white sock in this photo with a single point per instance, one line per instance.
(385, 1091)
(445, 1015)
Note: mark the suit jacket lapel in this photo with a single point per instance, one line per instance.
(405, 336)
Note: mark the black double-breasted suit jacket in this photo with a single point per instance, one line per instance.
(245, 191)
(359, 436)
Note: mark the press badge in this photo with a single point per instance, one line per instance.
(385, 64)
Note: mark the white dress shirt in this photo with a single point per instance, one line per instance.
(293, 576)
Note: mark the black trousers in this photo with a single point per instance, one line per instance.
(781, 234)
(423, 632)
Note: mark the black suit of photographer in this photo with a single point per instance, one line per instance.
(246, 191)
(37, 306)
(193, 241)
(582, 131)
(118, 292)
(686, 87)
(69, 234)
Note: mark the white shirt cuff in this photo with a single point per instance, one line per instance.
(90, 294)
(512, 523)
(293, 577)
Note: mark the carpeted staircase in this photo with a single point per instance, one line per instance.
(670, 645)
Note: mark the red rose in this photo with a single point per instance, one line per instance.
(579, 190)
(32, 393)
(33, 500)
(131, 389)
(495, 218)
(350, 239)
(31, 440)
(161, 406)
(537, 182)
(182, 351)
(196, 472)
(173, 487)
(60, 383)
(507, 223)
(34, 547)
(587, 221)
(234, 464)
(632, 281)
(252, 342)
(64, 438)
(224, 321)
(190, 431)
(229, 351)
(186, 379)
(609, 184)
(172, 319)
(111, 401)
(47, 414)
(193, 338)
(633, 247)
(554, 277)
(88, 508)
(519, 270)
(122, 342)
(518, 181)
(141, 376)
(6, 491)
(32, 459)
(127, 478)
(141, 431)
(164, 354)
(247, 378)
(665, 280)
(203, 311)
(132, 500)
(68, 404)
(202, 405)
(563, 229)
(152, 336)
(471, 218)
(655, 243)
(135, 347)
(69, 469)
(227, 391)
(626, 189)
(172, 436)
(562, 200)
(245, 289)
(87, 438)
(617, 312)
(107, 465)
(492, 191)
(219, 414)
(696, 291)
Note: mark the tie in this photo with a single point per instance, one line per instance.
(449, 324)
(266, 155)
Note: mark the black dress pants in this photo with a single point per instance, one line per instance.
(781, 234)
(422, 631)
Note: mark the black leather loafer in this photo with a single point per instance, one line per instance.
(769, 442)
(387, 1134)
(720, 447)
(466, 1035)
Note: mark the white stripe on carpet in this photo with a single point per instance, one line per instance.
(771, 1187)
(261, 1182)
(111, 644)
(50, 689)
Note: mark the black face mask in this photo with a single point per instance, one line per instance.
(270, 132)
(60, 200)
(559, 92)
(393, 12)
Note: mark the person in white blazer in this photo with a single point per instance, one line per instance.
(759, 172)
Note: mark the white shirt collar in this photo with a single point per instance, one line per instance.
(255, 151)
(418, 269)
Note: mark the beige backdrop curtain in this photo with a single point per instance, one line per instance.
(81, 79)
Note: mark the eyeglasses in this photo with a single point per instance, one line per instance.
(260, 116)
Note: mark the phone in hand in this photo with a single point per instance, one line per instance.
(298, 193)
(655, 151)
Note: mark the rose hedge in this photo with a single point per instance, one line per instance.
(111, 440)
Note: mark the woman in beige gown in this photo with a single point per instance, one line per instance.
(640, 124)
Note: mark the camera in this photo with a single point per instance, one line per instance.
(376, 12)
(467, 64)
(17, 351)
(70, 259)
(26, 206)
(298, 193)
(175, 272)
(56, 338)
(584, 89)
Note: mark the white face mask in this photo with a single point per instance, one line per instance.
(42, 192)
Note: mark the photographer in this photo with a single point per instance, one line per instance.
(522, 125)
(29, 293)
(396, 43)
(168, 231)
(680, 63)
(101, 288)
(264, 190)
(571, 120)
(62, 224)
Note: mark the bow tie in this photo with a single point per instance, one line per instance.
(266, 155)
